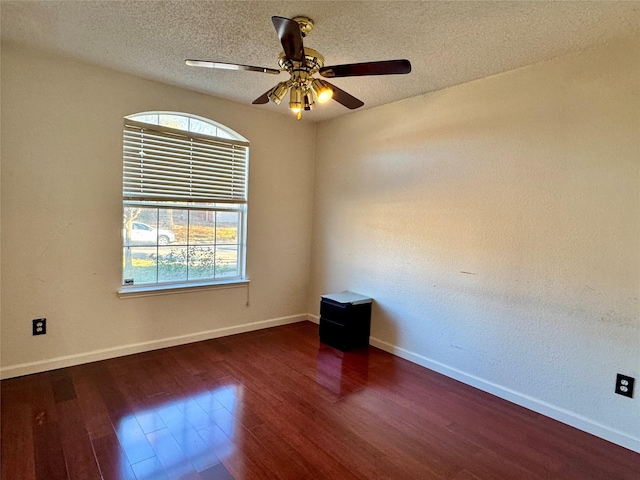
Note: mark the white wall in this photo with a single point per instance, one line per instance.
(62, 214)
(496, 224)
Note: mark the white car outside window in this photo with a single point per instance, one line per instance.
(143, 233)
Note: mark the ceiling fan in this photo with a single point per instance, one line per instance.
(302, 64)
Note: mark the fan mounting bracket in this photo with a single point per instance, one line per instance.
(306, 24)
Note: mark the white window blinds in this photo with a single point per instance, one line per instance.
(164, 164)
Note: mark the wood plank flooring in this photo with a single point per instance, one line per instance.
(277, 404)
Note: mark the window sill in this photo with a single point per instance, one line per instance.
(151, 290)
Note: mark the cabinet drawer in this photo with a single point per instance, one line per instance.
(337, 312)
(343, 337)
(345, 313)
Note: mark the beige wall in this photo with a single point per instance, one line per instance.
(61, 217)
(497, 226)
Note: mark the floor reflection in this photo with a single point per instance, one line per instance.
(342, 372)
(179, 438)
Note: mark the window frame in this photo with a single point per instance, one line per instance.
(229, 204)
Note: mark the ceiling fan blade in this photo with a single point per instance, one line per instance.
(264, 98)
(290, 37)
(385, 67)
(345, 98)
(230, 66)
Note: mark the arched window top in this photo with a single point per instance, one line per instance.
(188, 123)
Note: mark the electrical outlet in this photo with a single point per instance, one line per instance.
(39, 326)
(624, 385)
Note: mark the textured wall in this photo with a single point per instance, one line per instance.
(497, 226)
(62, 213)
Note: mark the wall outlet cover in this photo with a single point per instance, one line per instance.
(624, 385)
(39, 326)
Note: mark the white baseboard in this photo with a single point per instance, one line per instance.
(526, 401)
(106, 353)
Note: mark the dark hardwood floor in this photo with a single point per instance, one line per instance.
(277, 404)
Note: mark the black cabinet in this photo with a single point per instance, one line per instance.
(345, 320)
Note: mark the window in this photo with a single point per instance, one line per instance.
(184, 202)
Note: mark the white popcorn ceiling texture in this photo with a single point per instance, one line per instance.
(447, 42)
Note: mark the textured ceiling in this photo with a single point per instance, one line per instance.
(447, 42)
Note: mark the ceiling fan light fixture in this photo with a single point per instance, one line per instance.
(324, 93)
(295, 99)
(308, 100)
(277, 94)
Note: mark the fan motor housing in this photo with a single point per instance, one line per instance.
(314, 61)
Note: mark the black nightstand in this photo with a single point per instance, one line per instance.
(345, 320)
